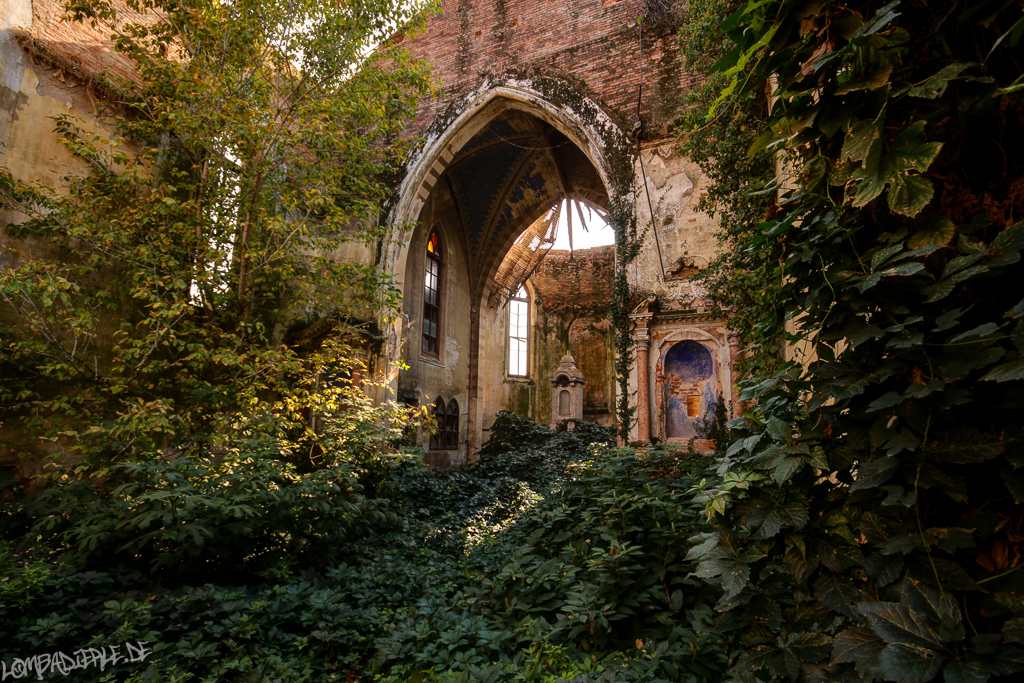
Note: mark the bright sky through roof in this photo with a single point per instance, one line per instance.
(597, 234)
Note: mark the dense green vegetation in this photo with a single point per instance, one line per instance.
(552, 557)
(881, 541)
(860, 521)
(153, 296)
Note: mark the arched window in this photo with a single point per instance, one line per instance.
(446, 433)
(437, 437)
(432, 296)
(451, 425)
(519, 333)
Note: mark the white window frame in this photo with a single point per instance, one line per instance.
(518, 344)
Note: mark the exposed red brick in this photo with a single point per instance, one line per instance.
(582, 281)
(79, 47)
(593, 41)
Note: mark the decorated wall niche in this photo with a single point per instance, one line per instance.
(690, 383)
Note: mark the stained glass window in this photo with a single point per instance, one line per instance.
(432, 296)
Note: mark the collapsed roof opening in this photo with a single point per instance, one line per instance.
(553, 228)
(509, 183)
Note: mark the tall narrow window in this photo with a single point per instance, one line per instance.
(432, 295)
(519, 333)
(437, 437)
(446, 430)
(451, 425)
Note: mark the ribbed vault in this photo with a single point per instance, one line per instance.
(506, 178)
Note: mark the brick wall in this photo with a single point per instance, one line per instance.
(579, 283)
(595, 42)
(573, 298)
(79, 47)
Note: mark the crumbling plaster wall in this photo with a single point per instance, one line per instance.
(33, 91)
(678, 242)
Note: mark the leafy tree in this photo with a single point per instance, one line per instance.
(882, 540)
(238, 200)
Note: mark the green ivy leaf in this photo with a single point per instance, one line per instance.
(884, 569)
(910, 194)
(903, 440)
(964, 445)
(1005, 372)
(863, 143)
(900, 625)
(875, 473)
(887, 400)
(758, 390)
(705, 543)
(1010, 239)
(861, 647)
(938, 607)
(949, 319)
(985, 330)
(882, 256)
(836, 592)
(1013, 630)
(771, 525)
(767, 609)
(800, 567)
(811, 647)
(786, 468)
(967, 671)
(970, 357)
(910, 664)
(935, 86)
(735, 576)
(880, 20)
(872, 80)
(779, 430)
(911, 151)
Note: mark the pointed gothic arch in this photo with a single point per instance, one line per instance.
(496, 167)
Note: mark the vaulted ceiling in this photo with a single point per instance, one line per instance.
(507, 175)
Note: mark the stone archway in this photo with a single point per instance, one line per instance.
(498, 166)
(584, 123)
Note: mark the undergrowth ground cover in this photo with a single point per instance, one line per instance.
(554, 557)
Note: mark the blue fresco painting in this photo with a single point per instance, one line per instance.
(709, 396)
(687, 365)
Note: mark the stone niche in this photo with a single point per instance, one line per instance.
(566, 392)
(691, 371)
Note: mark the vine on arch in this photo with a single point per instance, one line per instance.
(622, 218)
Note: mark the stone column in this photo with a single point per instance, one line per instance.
(643, 389)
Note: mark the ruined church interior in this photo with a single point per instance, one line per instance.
(542, 121)
(496, 319)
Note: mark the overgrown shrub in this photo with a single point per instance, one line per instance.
(604, 568)
(591, 562)
(178, 519)
(882, 540)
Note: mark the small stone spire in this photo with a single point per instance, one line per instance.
(566, 392)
